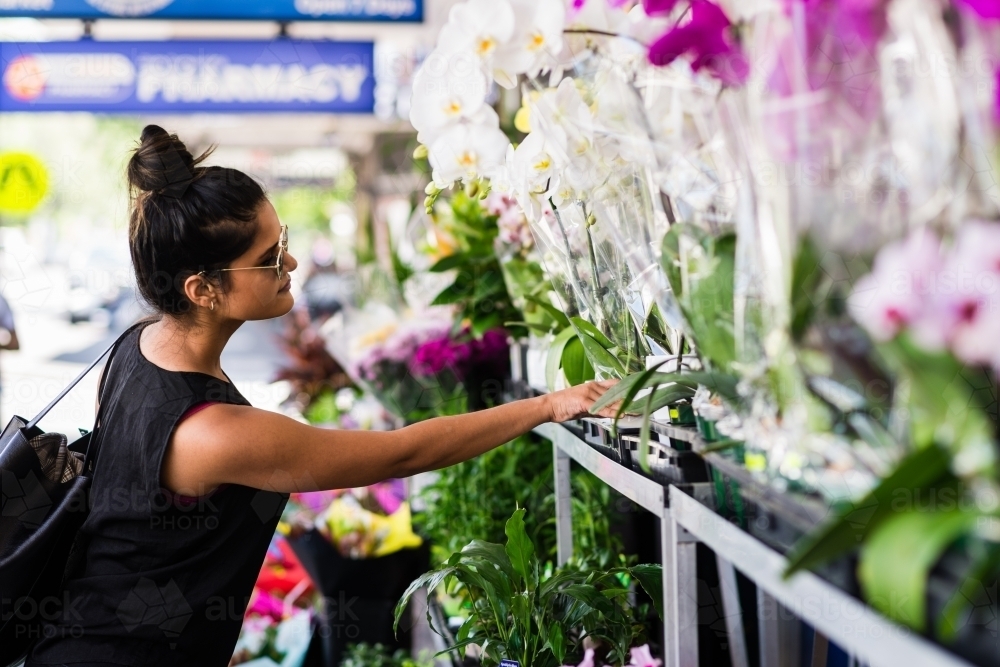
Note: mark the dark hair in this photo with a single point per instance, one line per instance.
(184, 218)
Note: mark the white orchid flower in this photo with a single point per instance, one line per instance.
(479, 27)
(466, 151)
(537, 39)
(444, 92)
(562, 110)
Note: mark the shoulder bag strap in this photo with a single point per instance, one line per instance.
(79, 377)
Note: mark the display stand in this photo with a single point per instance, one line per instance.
(685, 520)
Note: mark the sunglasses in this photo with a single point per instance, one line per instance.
(279, 264)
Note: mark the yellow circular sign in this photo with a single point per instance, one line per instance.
(24, 181)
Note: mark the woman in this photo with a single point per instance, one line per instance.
(190, 480)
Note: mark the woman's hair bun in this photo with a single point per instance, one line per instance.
(162, 163)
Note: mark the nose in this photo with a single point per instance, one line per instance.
(290, 262)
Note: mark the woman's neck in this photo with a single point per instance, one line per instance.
(181, 346)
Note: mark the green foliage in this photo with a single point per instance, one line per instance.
(701, 270)
(922, 470)
(806, 278)
(472, 499)
(478, 291)
(898, 555)
(309, 207)
(367, 655)
(539, 618)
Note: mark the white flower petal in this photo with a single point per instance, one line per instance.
(444, 93)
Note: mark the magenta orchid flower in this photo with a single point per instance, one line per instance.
(986, 9)
(658, 7)
(707, 37)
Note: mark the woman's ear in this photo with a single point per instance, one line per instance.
(200, 292)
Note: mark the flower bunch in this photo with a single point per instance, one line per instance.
(706, 35)
(944, 298)
(384, 363)
(514, 233)
(460, 354)
(483, 41)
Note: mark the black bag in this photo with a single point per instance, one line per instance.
(43, 502)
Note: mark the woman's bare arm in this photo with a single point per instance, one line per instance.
(243, 445)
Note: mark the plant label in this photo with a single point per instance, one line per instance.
(509, 663)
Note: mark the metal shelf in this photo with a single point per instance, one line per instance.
(684, 522)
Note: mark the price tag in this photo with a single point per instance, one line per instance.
(509, 663)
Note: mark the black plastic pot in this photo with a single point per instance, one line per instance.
(667, 464)
(609, 441)
(359, 596)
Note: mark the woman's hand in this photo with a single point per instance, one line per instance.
(575, 402)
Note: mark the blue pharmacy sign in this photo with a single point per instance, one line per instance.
(188, 76)
(244, 10)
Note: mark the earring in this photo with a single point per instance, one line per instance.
(211, 306)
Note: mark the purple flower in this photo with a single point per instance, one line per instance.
(986, 9)
(840, 60)
(433, 357)
(707, 36)
(657, 7)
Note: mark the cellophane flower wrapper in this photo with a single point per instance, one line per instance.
(519, 257)
(848, 134)
(377, 347)
(604, 226)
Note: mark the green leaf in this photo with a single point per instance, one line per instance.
(806, 277)
(470, 623)
(450, 262)
(557, 642)
(589, 595)
(430, 579)
(520, 550)
(483, 323)
(575, 363)
(453, 293)
(600, 358)
(553, 361)
(639, 380)
(521, 608)
(898, 555)
(584, 326)
(494, 553)
(561, 320)
(665, 396)
(489, 283)
(650, 577)
(849, 527)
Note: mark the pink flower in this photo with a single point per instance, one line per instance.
(641, 657)
(964, 311)
(707, 36)
(657, 7)
(896, 292)
(986, 9)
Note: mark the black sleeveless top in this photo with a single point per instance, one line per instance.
(163, 580)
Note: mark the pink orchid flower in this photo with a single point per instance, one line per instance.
(707, 37)
(964, 309)
(641, 657)
(895, 293)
